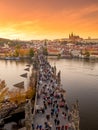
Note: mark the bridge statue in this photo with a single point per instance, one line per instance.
(28, 115)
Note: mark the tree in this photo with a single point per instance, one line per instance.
(17, 50)
(87, 54)
(30, 93)
(31, 52)
(16, 53)
(59, 56)
(45, 52)
(18, 47)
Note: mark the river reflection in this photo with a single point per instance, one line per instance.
(10, 71)
(80, 79)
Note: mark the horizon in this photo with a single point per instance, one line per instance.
(48, 19)
(45, 39)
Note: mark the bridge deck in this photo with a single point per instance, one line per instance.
(49, 101)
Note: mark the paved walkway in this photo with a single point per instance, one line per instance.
(52, 112)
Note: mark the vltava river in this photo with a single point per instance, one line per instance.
(10, 71)
(79, 78)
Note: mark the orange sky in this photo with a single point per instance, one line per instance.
(40, 19)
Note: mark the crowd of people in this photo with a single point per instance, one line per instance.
(52, 111)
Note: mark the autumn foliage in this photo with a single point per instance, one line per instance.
(20, 96)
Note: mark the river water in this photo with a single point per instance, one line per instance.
(79, 79)
(10, 71)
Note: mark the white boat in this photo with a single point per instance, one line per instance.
(12, 58)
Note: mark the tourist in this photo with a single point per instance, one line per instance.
(32, 126)
(66, 127)
(58, 122)
(40, 127)
(48, 117)
(55, 121)
(66, 107)
(37, 127)
(64, 115)
(52, 114)
(62, 128)
(57, 127)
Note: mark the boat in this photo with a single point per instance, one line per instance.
(12, 58)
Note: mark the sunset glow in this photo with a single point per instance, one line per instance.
(40, 19)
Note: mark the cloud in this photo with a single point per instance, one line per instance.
(48, 17)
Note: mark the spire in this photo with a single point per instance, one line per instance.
(72, 34)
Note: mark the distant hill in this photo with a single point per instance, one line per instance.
(12, 42)
(4, 40)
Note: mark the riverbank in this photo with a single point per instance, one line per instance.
(16, 58)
